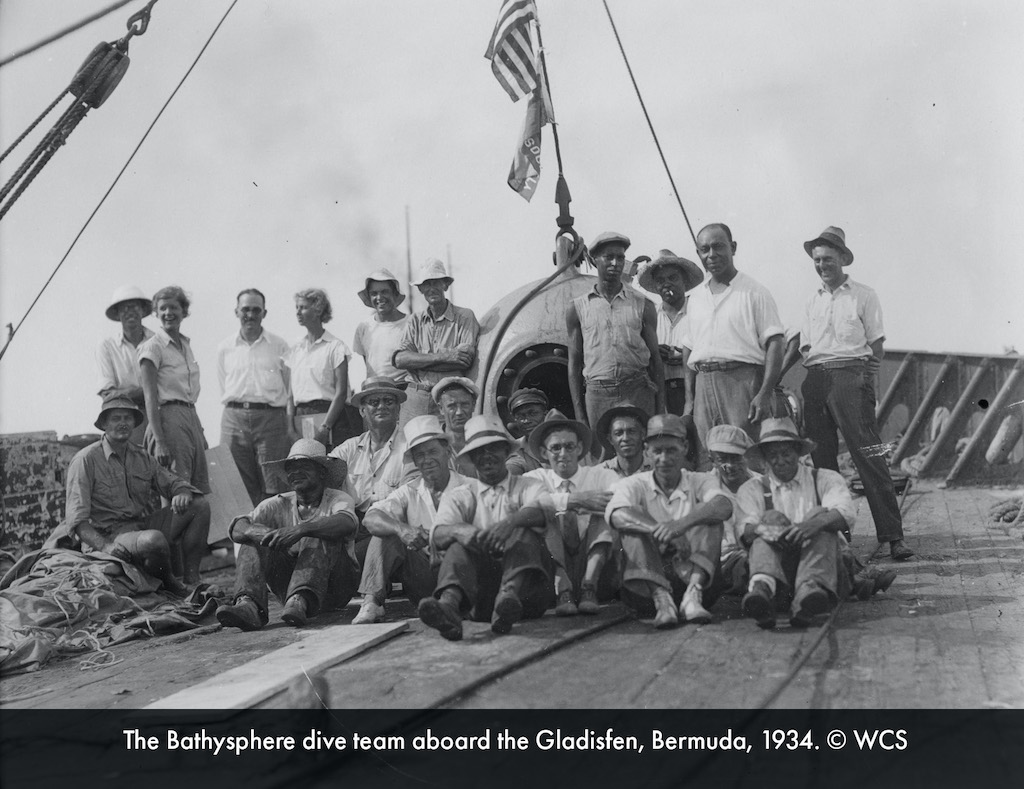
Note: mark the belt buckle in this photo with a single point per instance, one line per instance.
(246, 405)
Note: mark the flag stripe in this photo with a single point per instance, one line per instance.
(511, 49)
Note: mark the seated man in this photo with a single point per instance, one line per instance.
(727, 445)
(299, 544)
(622, 428)
(579, 538)
(670, 522)
(491, 531)
(527, 407)
(456, 397)
(401, 524)
(108, 492)
(791, 521)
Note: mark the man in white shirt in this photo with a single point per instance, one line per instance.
(670, 523)
(791, 521)
(495, 564)
(842, 340)
(253, 381)
(672, 277)
(401, 524)
(579, 538)
(735, 341)
(117, 358)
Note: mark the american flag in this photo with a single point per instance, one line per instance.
(511, 49)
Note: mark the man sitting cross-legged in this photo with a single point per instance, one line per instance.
(670, 522)
(401, 523)
(579, 538)
(299, 544)
(491, 530)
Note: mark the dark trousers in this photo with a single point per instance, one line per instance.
(480, 576)
(843, 399)
(388, 558)
(322, 570)
(675, 395)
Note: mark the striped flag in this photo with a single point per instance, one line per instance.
(515, 61)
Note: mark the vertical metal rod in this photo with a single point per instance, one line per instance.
(957, 419)
(451, 271)
(922, 412)
(408, 263)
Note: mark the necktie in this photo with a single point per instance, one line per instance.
(569, 523)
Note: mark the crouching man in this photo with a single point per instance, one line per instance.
(791, 522)
(300, 545)
(579, 538)
(108, 490)
(496, 566)
(670, 521)
(400, 525)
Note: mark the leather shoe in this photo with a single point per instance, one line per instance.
(759, 605)
(295, 612)
(441, 616)
(565, 605)
(899, 551)
(809, 602)
(665, 606)
(507, 611)
(588, 600)
(691, 607)
(243, 614)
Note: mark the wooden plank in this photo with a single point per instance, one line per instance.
(228, 498)
(249, 684)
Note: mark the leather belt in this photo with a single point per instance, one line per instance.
(324, 404)
(717, 367)
(184, 403)
(252, 406)
(840, 364)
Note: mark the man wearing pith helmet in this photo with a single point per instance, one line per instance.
(117, 359)
(790, 523)
(672, 277)
(670, 523)
(579, 538)
(495, 564)
(613, 340)
(841, 341)
(438, 342)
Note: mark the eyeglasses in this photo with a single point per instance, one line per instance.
(380, 402)
(555, 449)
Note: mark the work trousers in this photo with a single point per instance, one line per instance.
(815, 563)
(638, 390)
(843, 399)
(675, 395)
(723, 397)
(322, 570)
(387, 558)
(480, 576)
(571, 551)
(255, 437)
(670, 567)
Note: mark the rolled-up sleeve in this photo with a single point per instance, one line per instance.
(835, 495)
(628, 493)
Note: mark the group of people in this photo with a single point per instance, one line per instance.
(399, 481)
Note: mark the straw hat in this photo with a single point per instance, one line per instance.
(556, 420)
(378, 384)
(310, 449)
(692, 275)
(484, 429)
(380, 275)
(128, 293)
(433, 269)
(114, 401)
(831, 236)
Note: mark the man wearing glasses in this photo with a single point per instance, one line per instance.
(613, 340)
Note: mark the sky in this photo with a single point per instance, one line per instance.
(293, 151)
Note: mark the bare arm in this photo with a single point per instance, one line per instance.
(497, 534)
(457, 359)
(690, 383)
(323, 434)
(381, 523)
(761, 405)
(791, 355)
(331, 528)
(656, 368)
(148, 373)
(572, 324)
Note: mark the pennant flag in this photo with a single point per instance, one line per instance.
(515, 62)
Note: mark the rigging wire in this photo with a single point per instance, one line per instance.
(14, 331)
(649, 124)
(66, 31)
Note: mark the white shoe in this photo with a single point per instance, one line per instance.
(369, 612)
(691, 608)
(666, 609)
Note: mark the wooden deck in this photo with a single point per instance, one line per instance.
(949, 633)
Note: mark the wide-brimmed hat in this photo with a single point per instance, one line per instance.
(556, 420)
(484, 429)
(311, 449)
(128, 293)
(450, 381)
(608, 237)
(380, 275)
(834, 237)
(521, 397)
(729, 439)
(604, 424)
(433, 269)
(692, 275)
(420, 430)
(779, 430)
(111, 402)
(379, 384)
